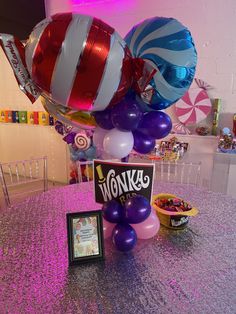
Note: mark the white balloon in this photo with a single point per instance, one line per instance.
(117, 143)
(98, 137)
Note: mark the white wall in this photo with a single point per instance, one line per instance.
(212, 23)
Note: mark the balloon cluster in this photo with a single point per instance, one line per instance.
(84, 71)
(135, 220)
(127, 126)
(81, 149)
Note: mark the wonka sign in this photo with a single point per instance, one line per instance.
(120, 181)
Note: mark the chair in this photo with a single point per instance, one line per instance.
(85, 171)
(178, 172)
(20, 174)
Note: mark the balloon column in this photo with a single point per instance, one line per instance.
(135, 220)
(88, 76)
(81, 149)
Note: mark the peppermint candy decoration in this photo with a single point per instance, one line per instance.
(82, 141)
(180, 128)
(167, 45)
(79, 61)
(193, 107)
(202, 84)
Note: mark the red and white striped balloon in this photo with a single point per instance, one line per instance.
(193, 107)
(79, 61)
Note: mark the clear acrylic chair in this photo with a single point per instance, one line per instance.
(85, 171)
(23, 176)
(178, 172)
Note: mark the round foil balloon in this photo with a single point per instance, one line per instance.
(79, 61)
(167, 45)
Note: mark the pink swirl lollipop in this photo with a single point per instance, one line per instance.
(193, 107)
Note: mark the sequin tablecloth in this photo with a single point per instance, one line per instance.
(190, 271)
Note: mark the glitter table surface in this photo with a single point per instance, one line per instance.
(189, 271)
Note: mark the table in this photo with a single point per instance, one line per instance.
(190, 271)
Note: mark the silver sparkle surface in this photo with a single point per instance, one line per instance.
(189, 271)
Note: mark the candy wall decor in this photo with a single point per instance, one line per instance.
(26, 117)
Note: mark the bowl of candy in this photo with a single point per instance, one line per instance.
(173, 211)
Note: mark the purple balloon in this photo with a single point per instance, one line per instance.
(137, 209)
(143, 143)
(124, 237)
(126, 115)
(103, 119)
(156, 124)
(113, 211)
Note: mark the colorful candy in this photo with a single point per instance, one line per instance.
(173, 204)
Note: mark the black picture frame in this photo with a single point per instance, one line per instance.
(85, 237)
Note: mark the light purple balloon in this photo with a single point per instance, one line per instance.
(148, 228)
(117, 143)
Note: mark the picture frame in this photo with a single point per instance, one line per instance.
(85, 237)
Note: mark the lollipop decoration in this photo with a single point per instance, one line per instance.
(193, 107)
(166, 45)
(81, 149)
(82, 141)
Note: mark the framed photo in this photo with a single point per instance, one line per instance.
(85, 237)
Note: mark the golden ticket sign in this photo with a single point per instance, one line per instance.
(120, 181)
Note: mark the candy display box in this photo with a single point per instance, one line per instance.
(173, 216)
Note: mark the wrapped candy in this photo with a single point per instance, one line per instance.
(76, 61)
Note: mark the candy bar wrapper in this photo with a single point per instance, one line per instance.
(2, 116)
(15, 53)
(8, 116)
(23, 116)
(15, 116)
(30, 117)
(43, 118)
(36, 117)
(51, 120)
(216, 109)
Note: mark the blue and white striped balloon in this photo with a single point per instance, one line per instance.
(168, 46)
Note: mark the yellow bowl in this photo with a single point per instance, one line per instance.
(172, 220)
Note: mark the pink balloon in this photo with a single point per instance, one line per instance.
(148, 228)
(107, 228)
